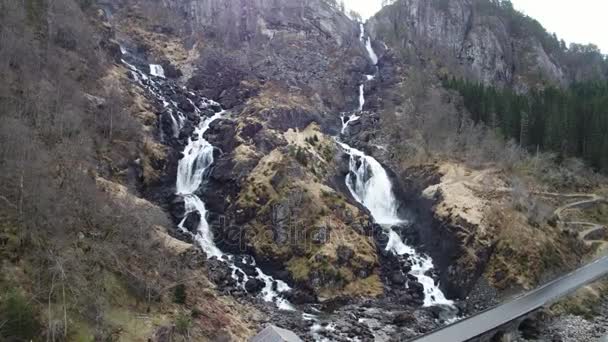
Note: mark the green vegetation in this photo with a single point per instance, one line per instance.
(183, 323)
(18, 320)
(301, 156)
(570, 122)
(179, 294)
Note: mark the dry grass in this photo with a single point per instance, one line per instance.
(584, 302)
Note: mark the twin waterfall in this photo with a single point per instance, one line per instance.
(367, 181)
(370, 185)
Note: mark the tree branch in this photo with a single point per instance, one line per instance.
(4, 199)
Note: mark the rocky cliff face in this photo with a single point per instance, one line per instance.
(308, 47)
(284, 70)
(470, 37)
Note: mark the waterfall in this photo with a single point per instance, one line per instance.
(361, 96)
(198, 156)
(157, 70)
(370, 185)
(346, 120)
(191, 172)
(368, 45)
(370, 51)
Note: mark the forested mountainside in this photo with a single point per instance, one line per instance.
(183, 170)
(570, 122)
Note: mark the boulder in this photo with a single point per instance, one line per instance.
(192, 222)
(177, 208)
(404, 319)
(398, 279)
(254, 286)
(219, 273)
(170, 70)
(416, 289)
(183, 103)
(299, 296)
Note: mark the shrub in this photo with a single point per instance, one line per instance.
(179, 294)
(19, 317)
(301, 157)
(182, 323)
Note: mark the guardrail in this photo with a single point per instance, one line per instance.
(492, 318)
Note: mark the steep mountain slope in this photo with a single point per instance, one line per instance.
(212, 165)
(487, 41)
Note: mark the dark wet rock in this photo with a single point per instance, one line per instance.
(529, 329)
(222, 135)
(481, 297)
(215, 107)
(245, 263)
(404, 319)
(177, 208)
(112, 47)
(250, 130)
(171, 71)
(283, 119)
(381, 239)
(598, 234)
(398, 279)
(416, 289)
(219, 273)
(221, 184)
(183, 102)
(66, 39)
(254, 286)
(192, 222)
(301, 296)
(219, 77)
(244, 215)
(187, 130)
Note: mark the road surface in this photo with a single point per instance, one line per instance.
(493, 318)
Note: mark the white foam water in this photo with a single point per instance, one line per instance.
(368, 45)
(346, 120)
(157, 70)
(361, 96)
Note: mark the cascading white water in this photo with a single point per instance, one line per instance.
(368, 45)
(346, 122)
(157, 70)
(197, 158)
(370, 185)
(370, 51)
(361, 97)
